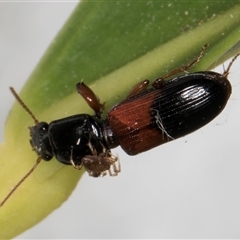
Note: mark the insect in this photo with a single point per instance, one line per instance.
(146, 119)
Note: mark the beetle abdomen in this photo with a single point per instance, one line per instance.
(179, 107)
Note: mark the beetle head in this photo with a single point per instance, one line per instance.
(40, 140)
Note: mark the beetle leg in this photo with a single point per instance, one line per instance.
(226, 72)
(91, 98)
(78, 167)
(93, 150)
(140, 87)
(158, 82)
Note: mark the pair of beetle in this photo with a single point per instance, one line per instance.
(145, 119)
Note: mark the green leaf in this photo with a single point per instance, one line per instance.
(111, 46)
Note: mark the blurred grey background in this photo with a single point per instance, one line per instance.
(189, 188)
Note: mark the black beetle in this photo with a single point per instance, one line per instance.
(145, 119)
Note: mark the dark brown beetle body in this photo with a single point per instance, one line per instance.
(178, 107)
(144, 120)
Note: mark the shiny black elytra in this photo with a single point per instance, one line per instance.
(145, 119)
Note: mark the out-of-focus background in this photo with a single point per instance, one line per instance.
(189, 188)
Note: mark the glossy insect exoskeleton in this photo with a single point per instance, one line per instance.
(145, 119)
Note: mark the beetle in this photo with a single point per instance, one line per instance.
(146, 119)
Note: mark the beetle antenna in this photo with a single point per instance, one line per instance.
(23, 105)
(226, 72)
(21, 181)
(186, 67)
